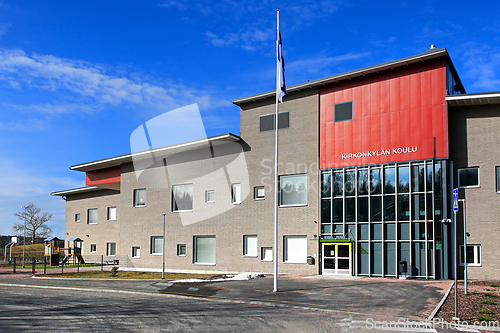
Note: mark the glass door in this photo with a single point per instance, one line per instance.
(337, 259)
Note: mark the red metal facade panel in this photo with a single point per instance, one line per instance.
(104, 176)
(398, 115)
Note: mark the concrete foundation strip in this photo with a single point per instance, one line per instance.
(433, 314)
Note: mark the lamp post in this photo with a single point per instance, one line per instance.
(465, 245)
(24, 238)
(163, 249)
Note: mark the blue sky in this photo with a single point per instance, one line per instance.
(76, 78)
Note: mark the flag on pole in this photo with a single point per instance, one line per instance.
(280, 88)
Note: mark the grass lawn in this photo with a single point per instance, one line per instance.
(128, 275)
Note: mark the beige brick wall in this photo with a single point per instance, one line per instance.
(228, 222)
(475, 138)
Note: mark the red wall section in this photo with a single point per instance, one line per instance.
(398, 115)
(104, 176)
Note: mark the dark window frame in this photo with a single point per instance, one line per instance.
(340, 109)
(273, 116)
(460, 185)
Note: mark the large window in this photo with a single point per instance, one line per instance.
(293, 190)
(468, 177)
(204, 250)
(267, 123)
(111, 213)
(156, 245)
(92, 216)
(182, 198)
(111, 249)
(295, 249)
(140, 198)
(250, 245)
(236, 193)
(343, 111)
(473, 255)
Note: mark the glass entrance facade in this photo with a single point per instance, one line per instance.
(390, 212)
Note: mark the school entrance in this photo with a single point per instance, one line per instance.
(337, 258)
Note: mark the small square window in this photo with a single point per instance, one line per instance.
(139, 198)
(259, 193)
(156, 245)
(473, 255)
(210, 196)
(236, 193)
(136, 252)
(93, 248)
(250, 246)
(468, 177)
(77, 217)
(111, 213)
(343, 112)
(266, 253)
(181, 250)
(111, 249)
(92, 216)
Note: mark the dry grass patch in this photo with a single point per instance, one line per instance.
(129, 275)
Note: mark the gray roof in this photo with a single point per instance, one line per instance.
(474, 99)
(429, 54)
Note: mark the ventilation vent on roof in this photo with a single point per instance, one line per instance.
(432, 47)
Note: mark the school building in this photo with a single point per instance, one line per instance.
(368, 161)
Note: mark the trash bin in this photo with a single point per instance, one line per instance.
(310, 260)
(403, 266)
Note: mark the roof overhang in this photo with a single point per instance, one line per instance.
(76, 190)
(173, 149)
(429, 54)
(474, 99)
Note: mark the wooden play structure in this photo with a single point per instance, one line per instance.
(53, 251)
(73, 253)
(57, 255)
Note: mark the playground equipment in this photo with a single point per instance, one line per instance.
(74, 251)
(53, 250)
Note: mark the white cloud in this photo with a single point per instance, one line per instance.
(322, 63)
(483, 67)
(4, 28)
(18, 181)
(92, 84)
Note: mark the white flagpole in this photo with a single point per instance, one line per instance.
(276, 182)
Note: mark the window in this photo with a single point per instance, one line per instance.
(182, 198)
(136, 252)
(111, 213)
(93, 248)
(473, 255)
(181, 250)
(204, 250)
(77, 217)
(497, 172)
(92, 216)
(259, 192)
(343, 112)
(266, 253)
(468, 177)
(266, 123)
(236, 193)
(210, 196)
(156, 245)
(295, 249)
(293, 190)
(111, 249)
(250, 245)
(139, 198)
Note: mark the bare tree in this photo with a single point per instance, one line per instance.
(35, 221)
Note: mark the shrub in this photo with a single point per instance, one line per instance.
(114, 271)
(486, 312)
(483, 318)
(489, 295)
(488, 302)
(494, 285)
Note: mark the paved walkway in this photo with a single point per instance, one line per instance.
(380, 297)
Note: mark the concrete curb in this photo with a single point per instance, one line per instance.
(433, 314)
